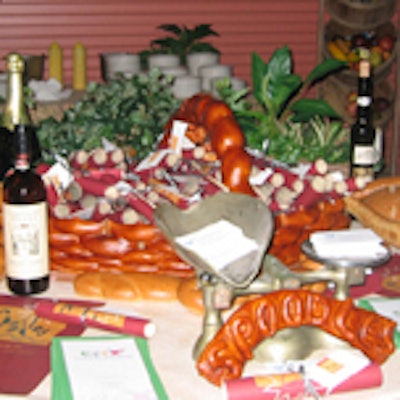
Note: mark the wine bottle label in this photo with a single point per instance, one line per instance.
(364, 155)
(378, 144)
(26, 240)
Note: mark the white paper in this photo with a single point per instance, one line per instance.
(153, 159)
(351, 243)
(335, 367)
(261, 176)
(178, 132)
(107, 370)
(219, 243)
(59, 175)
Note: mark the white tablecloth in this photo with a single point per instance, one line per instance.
(171, 348)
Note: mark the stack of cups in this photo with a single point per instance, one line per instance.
(162, 61)
(195, 61)
(201, 73)
(210, 73)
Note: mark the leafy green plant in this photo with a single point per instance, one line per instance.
(182, 41)
(128, 112)
(281, 120)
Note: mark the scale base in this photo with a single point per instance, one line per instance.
(296, 344)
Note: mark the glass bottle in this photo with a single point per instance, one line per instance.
(363, 151)
(15, 113)
(25, 221)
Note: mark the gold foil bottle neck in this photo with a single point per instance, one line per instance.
(15, 112)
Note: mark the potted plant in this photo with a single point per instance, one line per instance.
(131, 113)
(181, 42)
(281, 120)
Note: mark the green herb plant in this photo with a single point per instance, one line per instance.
(281, 120)
(128, 112)
(181, 41)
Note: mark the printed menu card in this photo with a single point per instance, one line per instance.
(106, 368)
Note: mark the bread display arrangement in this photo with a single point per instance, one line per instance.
(102, 233)
(110, 198)
(377, 207)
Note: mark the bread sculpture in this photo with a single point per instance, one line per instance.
(377, 207)
(224, 356)
(213, 120)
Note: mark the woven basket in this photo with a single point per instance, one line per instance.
(358, 14)
(335, 93)
(349, 76)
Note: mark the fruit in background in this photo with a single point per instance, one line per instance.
(380, 105)
(351, 109)
(386, 43)
(362, 45)
(351, 96)
(353, 56)
(375, 58)
(386, 55)
(336, 52)
(359, 40)
(351, 104)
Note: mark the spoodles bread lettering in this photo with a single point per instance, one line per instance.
(224, 356)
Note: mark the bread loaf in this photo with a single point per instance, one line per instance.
(127, 286)
(377, 207)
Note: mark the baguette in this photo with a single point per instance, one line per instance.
(127, 286)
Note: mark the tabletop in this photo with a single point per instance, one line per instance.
(171, 350)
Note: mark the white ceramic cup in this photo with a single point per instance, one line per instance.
(210, 72)
(195, 61)
(163, 61)
(127, 64)
(186, 86)
(175, 71)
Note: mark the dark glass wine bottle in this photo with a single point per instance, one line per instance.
(25, 221)
(363, 151)
(15, 113)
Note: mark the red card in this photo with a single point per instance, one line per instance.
(25, 344)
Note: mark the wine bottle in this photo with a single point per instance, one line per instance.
(363, 152)
(15, 113)
(25, 221)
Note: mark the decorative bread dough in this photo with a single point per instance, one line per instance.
(224, 356)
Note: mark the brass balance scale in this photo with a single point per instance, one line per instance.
(255, 272)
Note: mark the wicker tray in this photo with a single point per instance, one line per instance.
(357, 14)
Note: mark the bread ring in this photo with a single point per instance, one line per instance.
(103, 245)
(139, 232)
(79, 226)
(224, 356)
